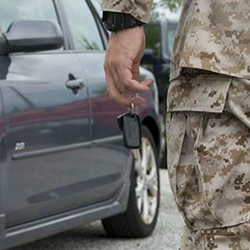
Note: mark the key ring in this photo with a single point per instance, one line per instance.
(132, 109)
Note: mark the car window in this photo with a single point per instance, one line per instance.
(97, 5)
(82, 25)
(11, 10)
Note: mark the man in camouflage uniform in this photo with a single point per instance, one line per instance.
(208, 119)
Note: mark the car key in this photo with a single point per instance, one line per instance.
(130, 125)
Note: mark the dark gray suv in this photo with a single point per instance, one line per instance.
(62, 157)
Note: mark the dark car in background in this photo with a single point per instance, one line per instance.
(160, 34)
(62, 156)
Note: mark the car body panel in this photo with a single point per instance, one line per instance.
(108, 154)
(44, 126)
(45, 116)
(38, 229)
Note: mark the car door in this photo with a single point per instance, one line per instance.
(109, 156)
(47, 124)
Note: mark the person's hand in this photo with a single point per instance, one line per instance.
(124, 53)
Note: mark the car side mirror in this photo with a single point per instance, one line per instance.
(31, 36)
(148, 57)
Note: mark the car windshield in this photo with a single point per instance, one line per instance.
(11, 10)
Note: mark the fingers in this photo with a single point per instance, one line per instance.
(136, 71)
(131, 85)
(122, 61)
(122, 98)
(116, 80)
(121, 82)
(136, 65)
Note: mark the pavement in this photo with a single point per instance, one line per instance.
(92, 236)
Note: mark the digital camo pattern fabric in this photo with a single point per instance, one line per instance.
(233, 238)
(198, 90)
(140, 9)
(214, 35)
(208, 164)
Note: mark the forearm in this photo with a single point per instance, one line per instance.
(140, 9)
(125, 49)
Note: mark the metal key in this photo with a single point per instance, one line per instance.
(130, 126)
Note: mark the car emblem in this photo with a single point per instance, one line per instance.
(20, 146)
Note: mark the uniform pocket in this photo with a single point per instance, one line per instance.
(223, 161)
(198, 92)
(175, 138)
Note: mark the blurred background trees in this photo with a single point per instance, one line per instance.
(170, 4)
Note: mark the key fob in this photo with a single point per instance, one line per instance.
(130, 126)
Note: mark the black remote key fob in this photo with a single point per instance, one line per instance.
(130, 126)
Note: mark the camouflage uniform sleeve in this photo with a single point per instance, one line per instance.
(140, 9)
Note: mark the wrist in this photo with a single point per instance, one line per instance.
(128, 35)
(134, 29)
(114, 21)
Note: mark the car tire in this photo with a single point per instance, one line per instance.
(140, 218)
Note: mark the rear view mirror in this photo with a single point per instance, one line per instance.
(31, 36)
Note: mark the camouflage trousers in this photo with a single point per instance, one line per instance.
(209, 171)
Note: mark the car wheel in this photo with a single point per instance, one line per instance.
(140, 218)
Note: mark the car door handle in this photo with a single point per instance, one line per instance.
(75, 84)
